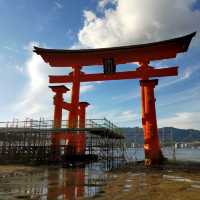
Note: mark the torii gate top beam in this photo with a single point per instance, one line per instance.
(121, 55)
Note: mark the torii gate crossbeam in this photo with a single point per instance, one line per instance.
(172, 71)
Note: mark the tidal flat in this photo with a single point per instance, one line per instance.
(173, 181)
(152, 184)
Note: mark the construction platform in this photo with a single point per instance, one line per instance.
(31, 140)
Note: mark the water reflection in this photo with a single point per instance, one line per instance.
(57, 183)
(66, 183)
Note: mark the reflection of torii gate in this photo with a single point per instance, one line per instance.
(109, 58)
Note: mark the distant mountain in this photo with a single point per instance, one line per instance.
(166, 134)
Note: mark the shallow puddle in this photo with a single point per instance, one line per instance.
(53, 183)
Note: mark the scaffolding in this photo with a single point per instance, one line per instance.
(31, 140)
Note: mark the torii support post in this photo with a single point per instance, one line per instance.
(81, 137)
(73, 114)
(58, 101)
(77, 141)
(82, 113)
(153, 154)
(71, 137)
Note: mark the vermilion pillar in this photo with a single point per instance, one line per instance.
(80, 137)
(73, 114)
(153, 154)
(143, 106)
(82, 113)
(58, 100)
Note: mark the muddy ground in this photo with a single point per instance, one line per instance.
(172, 181)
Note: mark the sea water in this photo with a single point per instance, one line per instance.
(185, 154)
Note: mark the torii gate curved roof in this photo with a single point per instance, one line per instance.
(121, 55)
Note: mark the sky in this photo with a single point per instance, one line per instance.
(76, 24)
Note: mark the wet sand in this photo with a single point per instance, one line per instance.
(169, 182)
(16, 170)
(172, 181)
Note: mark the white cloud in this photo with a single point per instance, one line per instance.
(19, 68)
(190, 71)
(104, 3)
(86, 88)
(70, 35)
(132, 21)
(30, 45)
(12, 49)
(58, 5)
(127, 97)
(127, 116)
(36, 99)
(89, 17)
(186, 120)
(120, 118)
(33, 100)
(186, 95)
(187, 73)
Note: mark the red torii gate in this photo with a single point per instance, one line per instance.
(109, 58)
